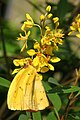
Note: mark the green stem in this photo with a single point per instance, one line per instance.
(57, 114)
(39, 28)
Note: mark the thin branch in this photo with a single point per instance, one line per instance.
(13, 115)
(2, 109)
(72, 98)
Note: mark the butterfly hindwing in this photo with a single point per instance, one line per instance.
(20, 90)
(40, 100)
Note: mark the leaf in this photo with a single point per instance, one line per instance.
(36, 115)
(77, 118)
(56, 101)
(23, 117)
(46, 86)
(57, 90)
(65, 89)
(53, 81)
(63, 8)
(4, 82)
(72, 89)
(74, 117)
(28, 115)
(51, 116)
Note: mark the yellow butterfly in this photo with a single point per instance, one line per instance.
(26, 91)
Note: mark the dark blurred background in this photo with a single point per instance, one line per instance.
(12, 15)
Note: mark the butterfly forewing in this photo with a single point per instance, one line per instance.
(20, 90)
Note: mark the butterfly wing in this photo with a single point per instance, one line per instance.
(20, 91)
(40, 100)
(26, 91)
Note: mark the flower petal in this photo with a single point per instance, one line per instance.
(78, 35)
(36, 61)
(55, 59)
(36, 45)
(44, 69)
(31, 52)
(51, 67)
(16, 70)
(29, 18)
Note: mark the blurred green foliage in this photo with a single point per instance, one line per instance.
(61, 86)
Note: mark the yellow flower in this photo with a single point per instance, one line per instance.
(28, 17)
(48, 49)
(16, 70)
(23, 28)
(21, 62)
(36, 61)
(48, 8)
(52, 38)
(47, 29)
(75, 27)
(28, 23)
(37, 46)
(78, 35)
(24, 37)
(42, 17)
(40, 62)
(44, 69)
(31, 52)
(24, 47)
(55, 19)
(51, 67)
(49, 15)
(55, 59)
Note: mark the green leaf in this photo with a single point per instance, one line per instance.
(57, 90)
(23, 117)
(77, 118)
(28, 115)
(74, 117)
(63, 8)
(56, 101)
(65, 89)
(4, 82)
(53, 81)
(72, 89)
(51, 116)
(46, 86)
(36, 115)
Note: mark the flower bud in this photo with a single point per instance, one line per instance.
(55, 19)
(42, 17)
(49, 15)
(48, 9)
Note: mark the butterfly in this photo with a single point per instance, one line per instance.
(26, 91)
